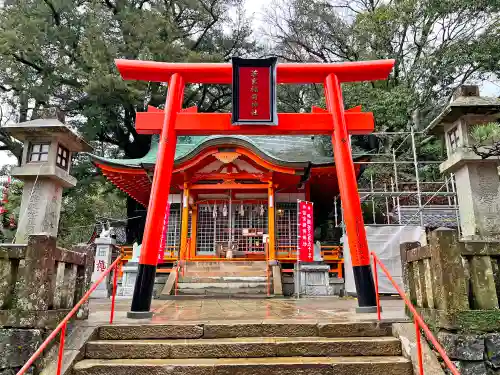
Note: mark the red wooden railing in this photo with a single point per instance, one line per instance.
(62, 326)
(419, 322)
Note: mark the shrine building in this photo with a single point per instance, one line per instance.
(236, 193)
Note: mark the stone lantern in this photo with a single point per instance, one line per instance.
(48, 147)
(477, 180)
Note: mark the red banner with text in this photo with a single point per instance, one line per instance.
(164, 233)
(305, 244)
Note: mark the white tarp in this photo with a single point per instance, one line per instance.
(385, 242)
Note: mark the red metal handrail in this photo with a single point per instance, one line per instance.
(62, 326)
(419, 322)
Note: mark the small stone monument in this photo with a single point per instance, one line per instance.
(103, 259)
(48, 147)
(477, 179)
(315, 279)
(130, 270)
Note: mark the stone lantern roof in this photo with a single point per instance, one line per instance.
(48, 128)
(466, 101)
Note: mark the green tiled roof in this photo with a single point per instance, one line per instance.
(288, 150)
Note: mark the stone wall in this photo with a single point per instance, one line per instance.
(455, 286)
(39, 285)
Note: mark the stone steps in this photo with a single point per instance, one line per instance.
(244, 347)
(223, 285)
(248, 366)
(189, 268)
(219, 274)
(226, 264)
(224, 278)
(222, 291)
(215, 330)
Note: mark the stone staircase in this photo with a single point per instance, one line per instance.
(244, 279)
(225, 348)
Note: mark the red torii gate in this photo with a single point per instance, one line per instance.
(175, 121)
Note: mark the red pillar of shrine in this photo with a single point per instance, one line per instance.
(158, 203)
(353, 216)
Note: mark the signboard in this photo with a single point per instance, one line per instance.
(305, 245)
(254, 91)
(163, 242)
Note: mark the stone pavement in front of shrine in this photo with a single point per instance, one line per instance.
(332, 309)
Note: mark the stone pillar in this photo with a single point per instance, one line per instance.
(183, 251)
(48, 147)
(40, 209)
(130, 271)
(478, 193)
(270, 222)
(103, 253)
(451, 289)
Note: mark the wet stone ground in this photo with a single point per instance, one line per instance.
(333, 309)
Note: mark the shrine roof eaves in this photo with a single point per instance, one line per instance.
(294, 151)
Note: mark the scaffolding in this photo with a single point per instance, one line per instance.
(396, 188)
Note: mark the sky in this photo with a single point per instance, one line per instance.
(255, 8)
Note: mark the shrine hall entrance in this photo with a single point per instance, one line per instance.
(239, 227)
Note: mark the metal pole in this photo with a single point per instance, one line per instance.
(396, 183)
(386, 204)
(373, 200)
(393, 197)
(446, 181)
(342, 224)
(415, 164)
(455, 205)
(355, 226)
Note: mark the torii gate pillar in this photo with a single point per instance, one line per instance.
(353, 215)
(174, 122)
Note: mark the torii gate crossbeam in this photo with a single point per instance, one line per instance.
(174, 121)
